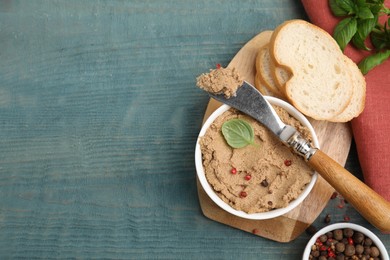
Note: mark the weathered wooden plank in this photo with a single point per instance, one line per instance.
(98, 122)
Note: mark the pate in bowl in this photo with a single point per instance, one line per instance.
(262, 180)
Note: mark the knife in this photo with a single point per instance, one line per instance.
(373, 207)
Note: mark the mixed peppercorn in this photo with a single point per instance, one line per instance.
(344, 244)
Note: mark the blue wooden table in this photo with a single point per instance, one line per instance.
(99, 115)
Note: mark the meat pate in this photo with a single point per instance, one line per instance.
(259, 177)
(220, 81)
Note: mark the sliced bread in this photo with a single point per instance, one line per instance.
(281, 76)
(320, 86)
(260, 86)
(264, 71)
(356, 106)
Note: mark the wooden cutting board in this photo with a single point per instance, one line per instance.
(335, 140)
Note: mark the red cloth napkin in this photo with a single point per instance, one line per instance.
(371, 129)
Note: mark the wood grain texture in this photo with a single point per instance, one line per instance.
(99, 116)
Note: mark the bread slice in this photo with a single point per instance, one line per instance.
(264, 70)
(356, 106)
(281, 76)
(320, 86)
(264, 38)
(270, 79)
(260, 86)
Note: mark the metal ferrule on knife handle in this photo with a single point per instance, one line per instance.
(301, 146)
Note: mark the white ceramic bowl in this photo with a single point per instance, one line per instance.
(365, 231)
(210, 191)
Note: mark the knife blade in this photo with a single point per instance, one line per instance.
(250, 101)
(373, 207)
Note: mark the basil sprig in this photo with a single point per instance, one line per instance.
(360, 21)
(373, 60)
(238, 133)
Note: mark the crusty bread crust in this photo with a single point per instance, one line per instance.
(281, 76)
(356, 106)
(320, 86)
(260, 86)
(264, 39)
(264, 71)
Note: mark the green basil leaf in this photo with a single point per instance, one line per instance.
(361, 3)
(375, 8)
(348, 5)
(364, 13)
(380, 39)
(358, 41)
(336, 9)
(372, 61)
(386, 28)
(376, 2)
(344, 31)
(238, 133)
(364, 27)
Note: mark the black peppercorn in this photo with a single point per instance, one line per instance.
(264, 183)
(374, 251)
(349, 250)
(316, 253)
(338, 234)
(340, 247)
(327, 219)
(358, 237)
(359, 249)
(367, 250)
(311, 230)
(348, 232)
(329, 234)
(367, 241)
(323, 238)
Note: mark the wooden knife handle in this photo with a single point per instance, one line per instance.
(373, 207)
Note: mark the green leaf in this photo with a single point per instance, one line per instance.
(380, 37)
(375, 2)
(375, 8)
(364, 13)
(361, 3)
(372, 61)
(348, 5)
(238, 133)
(336, 9)
(364, 27)
(358, 41)
(379, 40)
(344, 31)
